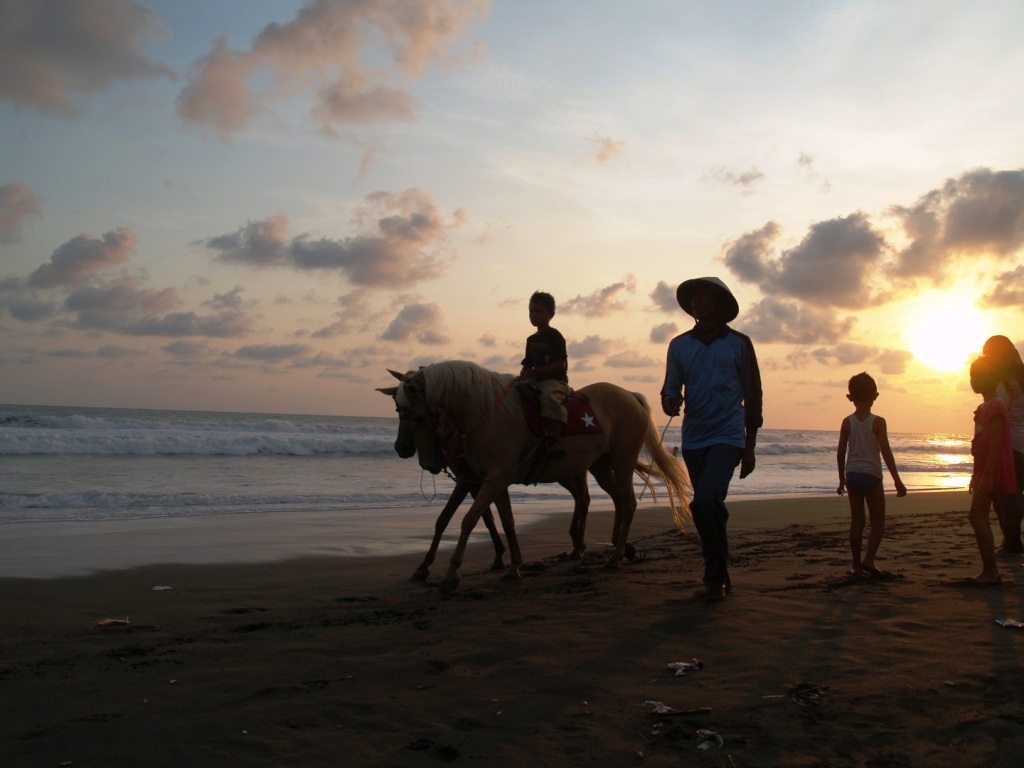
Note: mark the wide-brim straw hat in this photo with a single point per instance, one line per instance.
(685, 291)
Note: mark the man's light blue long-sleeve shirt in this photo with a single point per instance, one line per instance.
(723, 387)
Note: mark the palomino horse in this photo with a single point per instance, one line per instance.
(459, 406)
(405, 446)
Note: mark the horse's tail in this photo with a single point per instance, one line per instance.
(666, 468)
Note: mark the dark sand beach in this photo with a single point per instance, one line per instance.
(343, 661)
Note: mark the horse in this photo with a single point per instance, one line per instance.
(459, 410)
(405, 446)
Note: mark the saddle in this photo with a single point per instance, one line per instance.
(582, 419)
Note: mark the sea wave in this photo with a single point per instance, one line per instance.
(81, 434)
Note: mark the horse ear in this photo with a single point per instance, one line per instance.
(389, 391)
(396, 374)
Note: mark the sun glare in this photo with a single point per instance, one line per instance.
(945, 331)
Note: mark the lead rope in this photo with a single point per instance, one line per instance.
(423, 493)
(662, 441)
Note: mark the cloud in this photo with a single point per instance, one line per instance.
(220, 325)
(893, 362)
(355, 59)
(603, 301)
(842, 262)
(16, 202)
(1008, 290)
(121, 296)
(423, 322)
(606, 148)
(664, 297)
(774, 320)
(591, 345)
(185, 348)
(663, 332)
(123, 306)
(232, 300)
(630, 360)
(30, 310)
(832, 266)
(981, 212)
(52, 49)
(272, 353)
(82, 256)
(393, 252)
(847, 353)
(745, 180)
(356, 313)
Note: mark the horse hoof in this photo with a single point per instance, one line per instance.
(577, 554)
(611, 565)
(512, 574)
(420, 574)
(630, 552)
(448, 586)
(498, 565)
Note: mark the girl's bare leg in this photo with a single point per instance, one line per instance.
(978, 516)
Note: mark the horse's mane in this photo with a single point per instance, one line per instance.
(474, 387)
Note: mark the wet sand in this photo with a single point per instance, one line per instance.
(342, 660)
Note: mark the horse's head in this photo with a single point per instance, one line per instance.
(416, 425)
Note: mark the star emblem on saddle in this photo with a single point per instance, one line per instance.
(588, 421)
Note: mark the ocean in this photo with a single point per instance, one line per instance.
(66, 469)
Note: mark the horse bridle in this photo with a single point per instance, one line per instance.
(435, 425)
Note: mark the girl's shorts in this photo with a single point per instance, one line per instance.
(861, 483)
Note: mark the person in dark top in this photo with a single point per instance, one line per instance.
(545, 368)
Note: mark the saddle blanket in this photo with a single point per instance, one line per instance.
(582, 419)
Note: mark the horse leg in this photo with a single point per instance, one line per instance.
(488, 492)
(618, 485)
(577, 486)
(605, 477)
(457, 497)
(504, 505)
(499, 547)
(625, 507)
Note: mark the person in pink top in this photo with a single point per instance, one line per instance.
(993, 479)
(1011, 392)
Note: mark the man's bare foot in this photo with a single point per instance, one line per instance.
(711, 593)
(982, 580)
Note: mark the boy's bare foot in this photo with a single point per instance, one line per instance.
(871, 571)
(856, 572)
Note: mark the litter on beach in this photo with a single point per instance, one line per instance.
(1010, 623)
(709, 739)
(685, 667)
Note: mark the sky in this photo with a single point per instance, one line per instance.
(263, 206)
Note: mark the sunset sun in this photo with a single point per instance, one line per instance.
(944, 331)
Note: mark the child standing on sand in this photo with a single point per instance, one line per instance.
(863, 442)
(993, 479)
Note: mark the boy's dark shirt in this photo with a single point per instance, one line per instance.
(544, 347)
